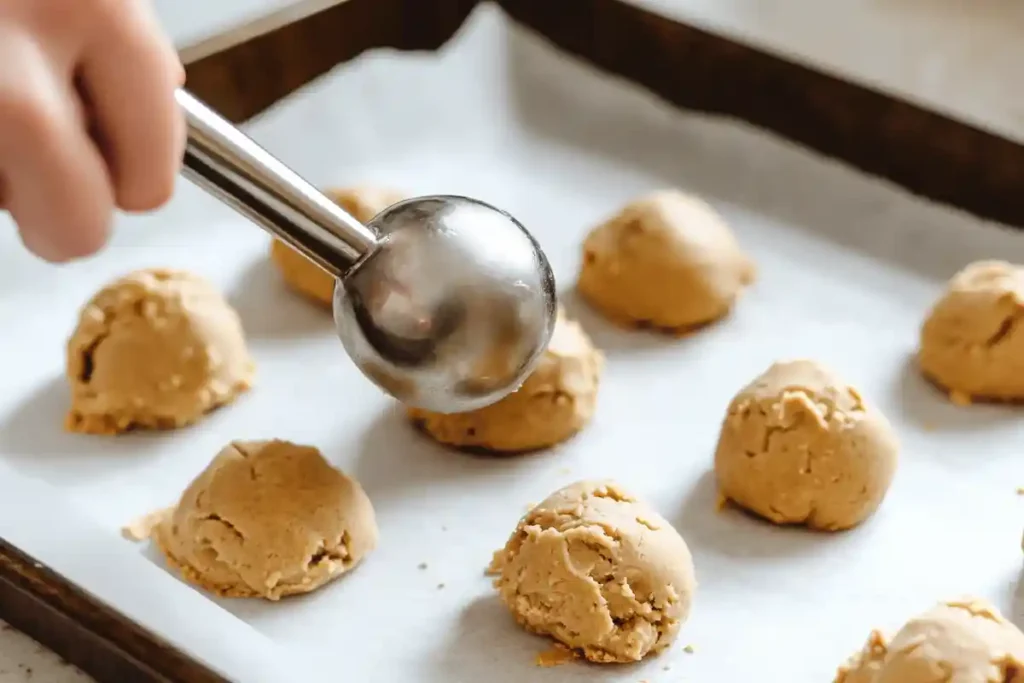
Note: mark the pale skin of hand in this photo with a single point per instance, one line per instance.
(88, 120)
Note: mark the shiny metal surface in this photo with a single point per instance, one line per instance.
(444, 302)
(454, 308)
(227, 163)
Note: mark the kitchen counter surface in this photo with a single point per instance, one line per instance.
(22, 660)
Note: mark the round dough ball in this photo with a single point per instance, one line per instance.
(971, 342)
(156, 349)
(268, 519)
(666, 261)
(598, 571)
(799, 446)
(303, 275)
(966, 641)
(555, 402)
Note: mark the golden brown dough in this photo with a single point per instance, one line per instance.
(598, 571)
(300, 273)
(961, 641)
(972, 344)
(268, 519)
(667, 261)
(156, 349)
(556, 401)
(800, 446)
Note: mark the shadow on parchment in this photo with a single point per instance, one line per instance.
(1015, 609)
(615, 339)
(487, 645)
(733, 533)
(927, 406)
(269, 309)
(395, 457)
(32, 436)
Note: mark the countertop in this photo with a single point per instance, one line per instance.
(22, 660)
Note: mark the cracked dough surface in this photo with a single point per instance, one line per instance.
(972, 342)
(963, 641)
(800, 446)
(599, 571)
(268, 519)
(555, 402)
(667, 261)
(155, 349)
(301, 274)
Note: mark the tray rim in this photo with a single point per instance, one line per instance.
(57, 613)
(107, 644)
(250, 30)
(781, 37)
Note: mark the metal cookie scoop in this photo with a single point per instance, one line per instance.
(444, 302)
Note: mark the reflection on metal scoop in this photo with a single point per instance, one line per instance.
(444, 302)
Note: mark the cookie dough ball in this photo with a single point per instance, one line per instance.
(800, 446)
(556, 401)
(667, 261)
(971, 342)
(598, 571)
(966, 641)
(156, 349)
(268, 519)
(303, 275)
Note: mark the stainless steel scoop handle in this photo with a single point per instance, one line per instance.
(229, 165)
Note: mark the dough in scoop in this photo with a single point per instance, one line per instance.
(303, 275)
(598, 571)
(268, 519)
(666, 261)
(156, 349)
(799, 446)
(972, 344)
(965, 641)
(556, 401)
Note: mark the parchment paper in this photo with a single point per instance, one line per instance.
(848, 267)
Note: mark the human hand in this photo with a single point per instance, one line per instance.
(88, 119)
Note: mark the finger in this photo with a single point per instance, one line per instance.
(129, 75)
(55, 181)
(149, 16)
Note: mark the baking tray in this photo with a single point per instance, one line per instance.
(938, 158)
